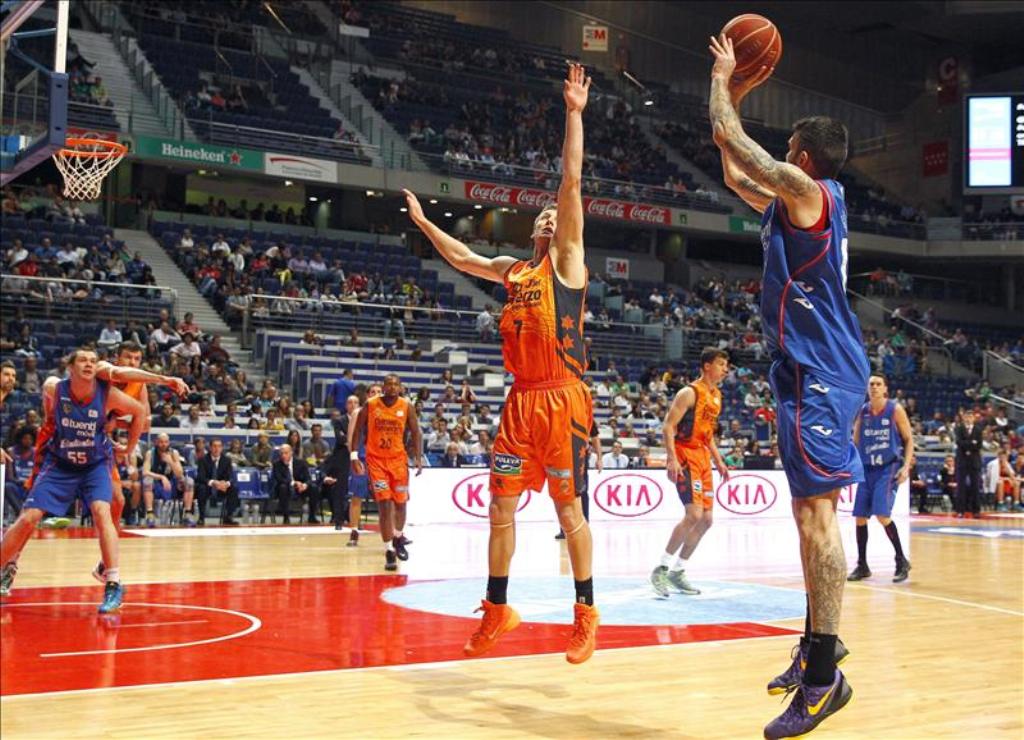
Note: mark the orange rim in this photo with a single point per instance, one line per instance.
(113, 148)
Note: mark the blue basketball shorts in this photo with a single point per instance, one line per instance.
(56, 486)
(815, 430)
(877, 494)
(359, 486)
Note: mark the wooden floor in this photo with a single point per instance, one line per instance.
(941, 656)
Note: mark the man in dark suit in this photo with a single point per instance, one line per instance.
(291, 475)
(968, 466)
(214, 478)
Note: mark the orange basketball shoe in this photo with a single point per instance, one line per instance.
(584, 633)
(497, 620)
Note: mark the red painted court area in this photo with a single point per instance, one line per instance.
(52, 639)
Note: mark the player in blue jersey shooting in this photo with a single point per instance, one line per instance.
(74, 458)
(819, 369)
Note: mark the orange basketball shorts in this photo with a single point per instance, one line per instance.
(542, 437)
(694, 483)
(389, 478)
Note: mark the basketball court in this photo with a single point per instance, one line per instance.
(256, 632)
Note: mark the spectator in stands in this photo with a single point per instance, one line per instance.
(315, 450)
(616, 459)
(642, 459)
(291, 476)
(343, 387)
(198, 452)
(215, 478)
(236, 454)
(262, 453)
(438, 438)
(31, 379)
(166, 418)
(188, 349)
(450, 459)
(164, 336)
(194, 421)
(485, 324)
(189, 326)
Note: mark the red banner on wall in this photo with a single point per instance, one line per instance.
(935, 158)
(516, 197)
(949, 81)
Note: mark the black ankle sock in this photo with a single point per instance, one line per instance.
(821, 660)
(805, 639)
(585, 591)
(497, 589)
(862, 544)
(894, 538)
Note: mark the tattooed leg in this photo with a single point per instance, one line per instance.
(821, 549)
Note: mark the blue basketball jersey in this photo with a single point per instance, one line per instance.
(79, 434)
(880, 442)
(804, 311)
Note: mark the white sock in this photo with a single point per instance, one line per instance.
(680, 564)
(666, 559)
(113, 575)
(398, 533)
(391, 547)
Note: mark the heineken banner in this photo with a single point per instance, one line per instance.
(199, 154)
(741, 225)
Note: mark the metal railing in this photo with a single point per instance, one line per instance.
(1002, 372)
(249, 136)
(992, 231)
(46, 297)
(941, 352)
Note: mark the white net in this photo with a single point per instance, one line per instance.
(84, 163)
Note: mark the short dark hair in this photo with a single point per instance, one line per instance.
(128, 346)
(710, 354)
(881, 377)
(826, 140)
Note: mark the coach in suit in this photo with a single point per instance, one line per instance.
(214, 478)
(968, 466)
(291, 475)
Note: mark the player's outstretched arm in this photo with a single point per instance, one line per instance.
(117, 374)
(567, 246)
(682, 403)
(791, 183)
(457, 254)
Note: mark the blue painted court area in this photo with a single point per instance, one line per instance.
(623, 601)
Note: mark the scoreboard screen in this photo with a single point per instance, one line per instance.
(994, 143)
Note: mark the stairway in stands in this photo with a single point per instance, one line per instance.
(169, 275)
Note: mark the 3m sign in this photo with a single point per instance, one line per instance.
(595, 38)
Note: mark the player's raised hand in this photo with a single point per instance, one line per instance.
(576, 89)
(179, 386)
(738, 88)
(725, 58)
(413, 204)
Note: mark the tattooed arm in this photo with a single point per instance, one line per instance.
(797, 189)
(753, 194)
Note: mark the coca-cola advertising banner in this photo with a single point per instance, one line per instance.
(461, 495)
(516, 197)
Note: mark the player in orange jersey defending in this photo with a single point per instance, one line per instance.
(689, 446)
(545, 423)
(384, 419)
(126, 375)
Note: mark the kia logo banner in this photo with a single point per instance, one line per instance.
(463, 495)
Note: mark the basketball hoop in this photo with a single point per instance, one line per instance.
(84, 163)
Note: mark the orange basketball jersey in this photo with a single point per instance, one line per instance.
(385, 427)
(542, 325)
(696, 429)
(134, 390)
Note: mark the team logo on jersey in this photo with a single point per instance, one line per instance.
(66, 407)
(698, 486)
(885, 422)
(399, 413)
(804, 286)
(823, 431)
(507, 464)
(822, 389)
(805, 303)
(93, 413)
(380, 485)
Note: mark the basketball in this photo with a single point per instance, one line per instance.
(756, 41)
